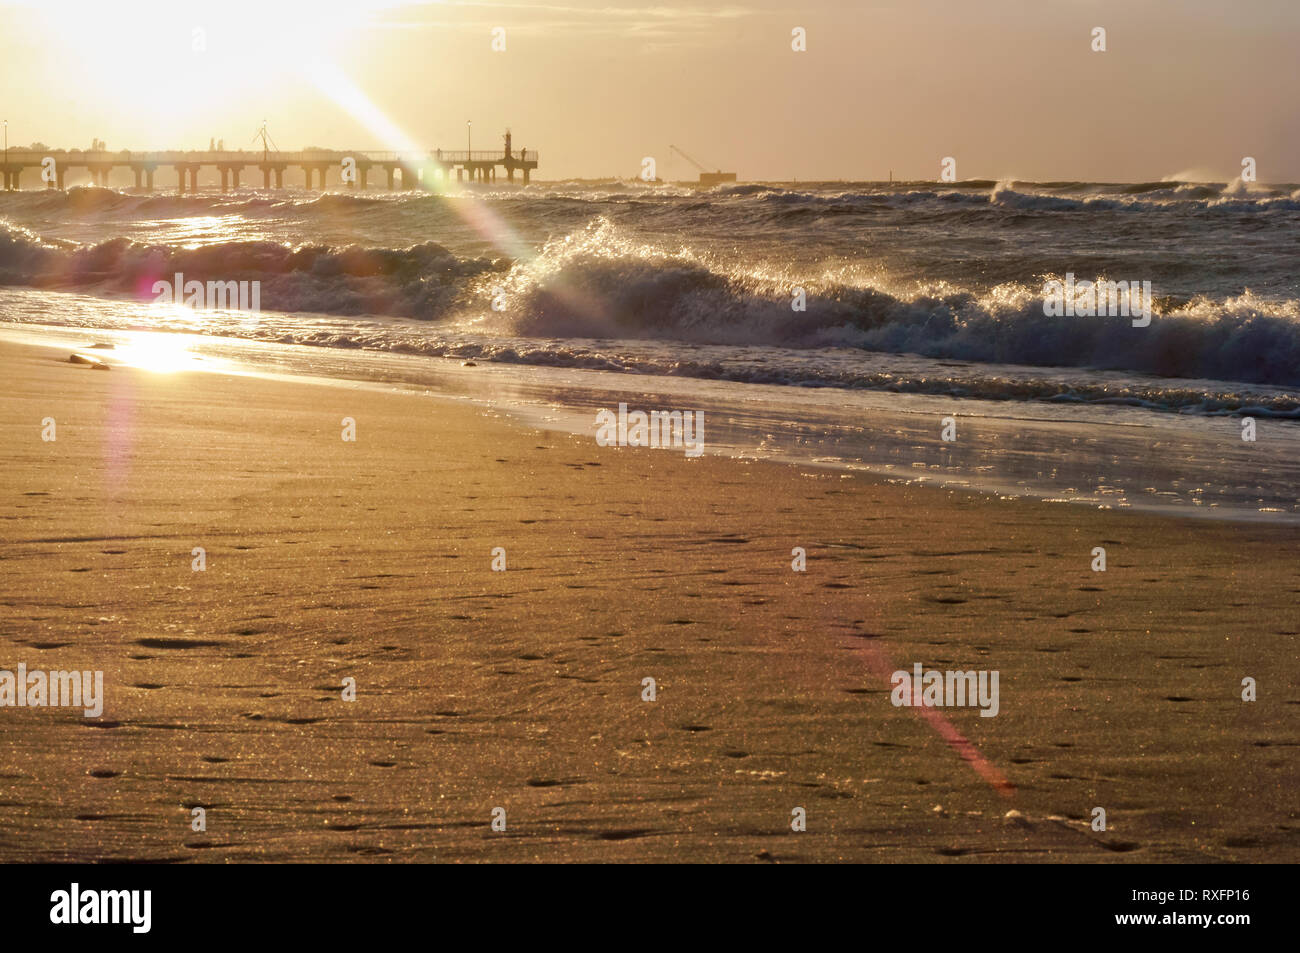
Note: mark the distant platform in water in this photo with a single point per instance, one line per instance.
(716, 178)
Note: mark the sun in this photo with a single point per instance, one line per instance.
(170, 64)
(158, 352)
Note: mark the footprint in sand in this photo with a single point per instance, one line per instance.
(628, 834)
(178, 643)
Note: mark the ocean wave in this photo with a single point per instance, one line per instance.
(422, 281)
(101, 205)
(598, 285)
(599, 282)
(1150, 198)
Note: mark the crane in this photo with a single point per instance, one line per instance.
(706, 177)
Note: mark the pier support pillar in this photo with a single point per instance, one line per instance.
(194, 180)
(279, 178)
(307, 170)
(390, 178)
(58, 174)
(148, 177)
(266, 178)
(525, 176)
(180, 188)
(234, 178)
(139, 175)
(225, 180)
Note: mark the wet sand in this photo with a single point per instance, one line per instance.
(522, 689)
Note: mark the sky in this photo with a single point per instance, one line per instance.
(1010, 89)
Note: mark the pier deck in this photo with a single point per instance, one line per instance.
(351, 168)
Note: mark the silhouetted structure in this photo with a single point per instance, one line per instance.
(416, 169)
(707, 178)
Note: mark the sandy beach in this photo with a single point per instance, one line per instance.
(372, 560)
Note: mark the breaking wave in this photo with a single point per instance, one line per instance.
(596, 284)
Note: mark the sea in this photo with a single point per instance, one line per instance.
(897, 329)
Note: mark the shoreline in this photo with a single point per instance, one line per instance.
(1121, 458)
(522, 689)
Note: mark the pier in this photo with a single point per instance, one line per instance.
(350, 168)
